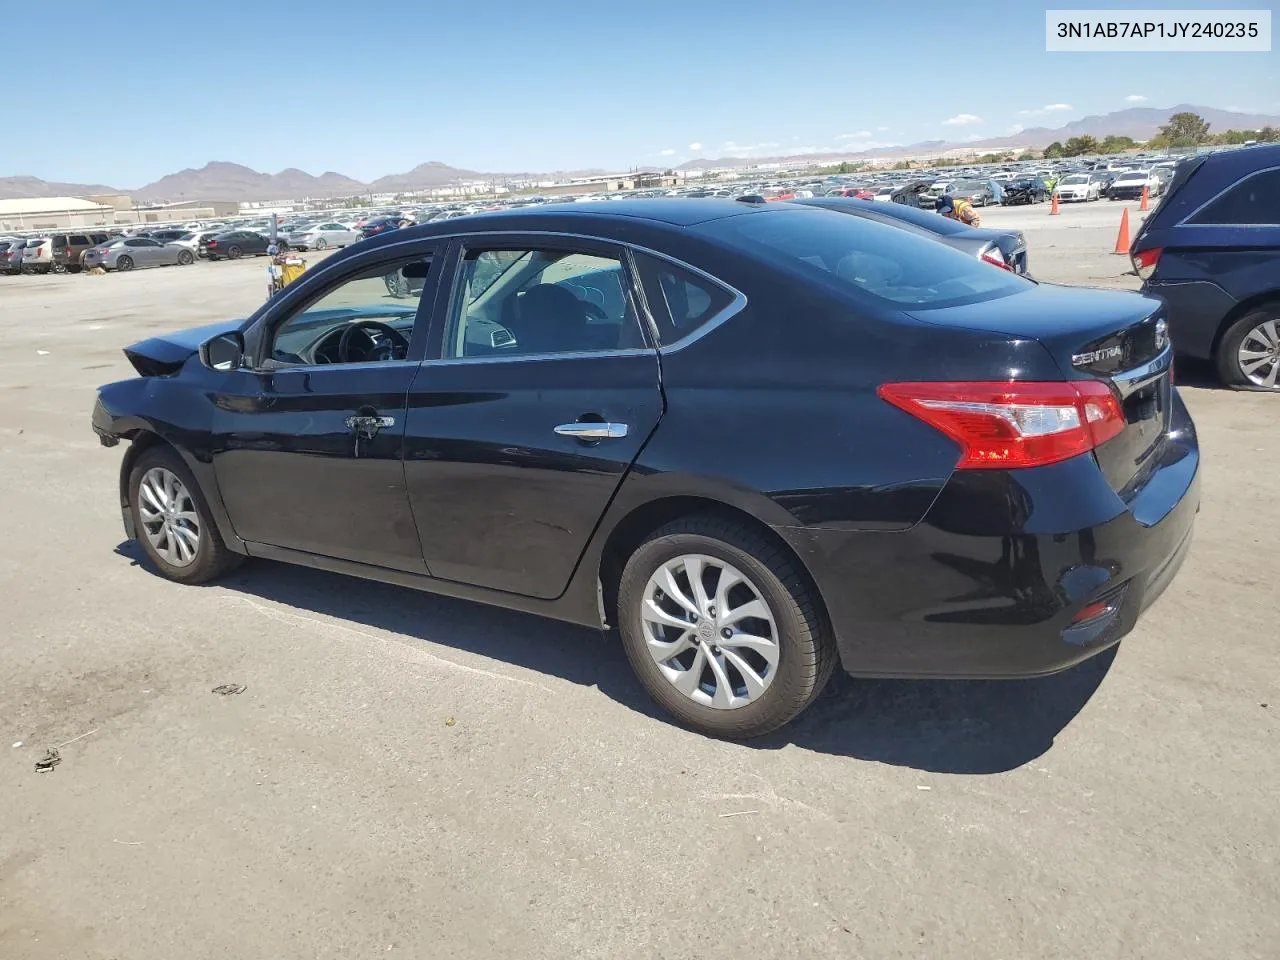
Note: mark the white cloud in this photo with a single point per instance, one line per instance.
(860, 135)
(1047, 108)
(668, 153)
(695, 147)
(1014, 130)
(961, 120)
(1135, 98)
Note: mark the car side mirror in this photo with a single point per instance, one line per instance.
(223, 352)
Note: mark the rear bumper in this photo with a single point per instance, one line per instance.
(1195, 310)
(990, 583)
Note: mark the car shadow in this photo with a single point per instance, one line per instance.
(953, 726)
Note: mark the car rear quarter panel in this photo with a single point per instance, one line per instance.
(780, 401)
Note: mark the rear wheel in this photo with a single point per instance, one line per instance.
(722, 629)
(172, 521)
(234, 252)
(1249, 352)
(124, 263)
(321, 243)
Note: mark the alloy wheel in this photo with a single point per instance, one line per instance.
(169, 517)
(710, 631)
(321, 243)
(1259, 354)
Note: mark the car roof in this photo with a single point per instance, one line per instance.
(675, 211)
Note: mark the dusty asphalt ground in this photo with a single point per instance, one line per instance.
(411, 776)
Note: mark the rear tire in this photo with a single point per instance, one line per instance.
(1257, 335)
(124, 264)
(172, 520)
(234, 252)
(321, 243)
(803, 648)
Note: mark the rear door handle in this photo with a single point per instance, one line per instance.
(592, 430)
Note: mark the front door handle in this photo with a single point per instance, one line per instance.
(369, 425)
(592, 430)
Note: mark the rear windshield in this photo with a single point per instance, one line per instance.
(884, 262)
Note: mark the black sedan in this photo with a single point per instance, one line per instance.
(380, 225)
(1006, 249)
(1025, 190)
(234, 244)
(760, 439)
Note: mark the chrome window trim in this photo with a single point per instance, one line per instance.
(736, 306)
(1186, 221)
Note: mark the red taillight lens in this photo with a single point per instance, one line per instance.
(995, 257)
(212, 243)
(1144, 262)
(1003, 425)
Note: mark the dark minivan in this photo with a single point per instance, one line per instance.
(1211, 251)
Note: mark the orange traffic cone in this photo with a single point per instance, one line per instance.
(1053, 205)
(1146, 199)
(1122, 238)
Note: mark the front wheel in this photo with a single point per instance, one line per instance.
(1249, 353)
(172, 521)
(185, 258)
(722, 628)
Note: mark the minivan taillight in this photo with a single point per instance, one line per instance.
(1145, 261)
(1003, 425)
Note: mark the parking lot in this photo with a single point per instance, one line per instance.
(411, 776)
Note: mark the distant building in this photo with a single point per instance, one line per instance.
(52, 213)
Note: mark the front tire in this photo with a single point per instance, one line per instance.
(722, 628)
(185, 258)
(1249, 353)
(172, 520)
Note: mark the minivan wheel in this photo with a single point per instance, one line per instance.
(1249, 353)
(172, 521)
(722, 629)
(124, 263)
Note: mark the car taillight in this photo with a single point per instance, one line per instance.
(995, 257)
(1145, 261)
(212, 243)
(1002, 425)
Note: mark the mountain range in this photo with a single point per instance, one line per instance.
(1136, 122)
(220, 180)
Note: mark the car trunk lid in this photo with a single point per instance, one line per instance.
(1117, 337)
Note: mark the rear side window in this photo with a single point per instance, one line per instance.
(681, 301)
(1254, 200)
(79, 240)
(870, 258)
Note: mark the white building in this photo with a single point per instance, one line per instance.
(51, 213)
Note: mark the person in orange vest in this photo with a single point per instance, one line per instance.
(961, 210)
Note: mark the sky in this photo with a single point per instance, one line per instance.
(368, 89)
